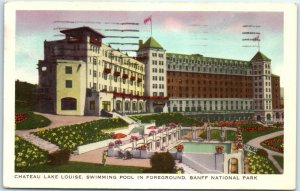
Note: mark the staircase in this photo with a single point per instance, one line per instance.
(187, 169)
(45, 145)
(124, 117)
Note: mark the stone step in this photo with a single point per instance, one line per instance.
(41, 143)
(187, 169)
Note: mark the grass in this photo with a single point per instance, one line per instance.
(216, 134)
(231, 135)
(80, 167)
(165, 118)
(247, 136)
(33, 121)
(279, 159)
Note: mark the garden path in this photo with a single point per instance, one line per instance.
(256, 143)
(56, 121)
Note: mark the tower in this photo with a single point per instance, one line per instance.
(262, 84)
(152, 54)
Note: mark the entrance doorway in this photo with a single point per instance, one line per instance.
(106, 105)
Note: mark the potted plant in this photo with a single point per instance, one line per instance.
(219, 149)
(179, 149)
(133, 138)
(118, 142)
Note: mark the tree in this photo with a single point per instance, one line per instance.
(162, 163)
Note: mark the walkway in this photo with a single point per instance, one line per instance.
(56, 121)
(95, 156)
(256, 143)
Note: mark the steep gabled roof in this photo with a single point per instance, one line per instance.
(260, 56)
(151, 43)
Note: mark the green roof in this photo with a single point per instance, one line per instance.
(260, 56)
(151, 43)
(275, 75)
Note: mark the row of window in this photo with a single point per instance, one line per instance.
(159, 55)
(225, 102)
(154, 62)
(210, 69)
(120, 60)
(159, 70)
(160, 78)
(158, 94)
(160, 86)
(227, 63)
(199, 108)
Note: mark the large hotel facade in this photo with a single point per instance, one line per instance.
(80, 75)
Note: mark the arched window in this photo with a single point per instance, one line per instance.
(68, 103)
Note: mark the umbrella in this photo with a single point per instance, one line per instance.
(119, 136)
(152, 127)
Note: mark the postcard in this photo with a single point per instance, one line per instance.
(128, 95)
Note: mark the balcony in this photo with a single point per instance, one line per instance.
(125, 76)
(107, 70)
(117, 73)
(132, 78)
(139, 80)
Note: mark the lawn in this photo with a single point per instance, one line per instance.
(165, 118)
(216, 135)
(31, 121)
(247, 136)
(279, 159)
(71, 136)
(80, 167)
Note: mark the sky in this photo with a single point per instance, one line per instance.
(212, 34)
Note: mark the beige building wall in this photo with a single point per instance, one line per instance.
(78, 89)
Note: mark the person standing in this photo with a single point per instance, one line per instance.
(104, 155)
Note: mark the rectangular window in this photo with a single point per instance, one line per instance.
(68, 83)
(68, 70)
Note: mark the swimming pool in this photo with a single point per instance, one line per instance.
(192, 147)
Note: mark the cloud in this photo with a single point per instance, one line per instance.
(172, 25)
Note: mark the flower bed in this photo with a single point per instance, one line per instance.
(166, 118)
(232, 123)
(260, 165)
(29, 120)
(27, 154)
(70, 137)
(274, 144)
(19, 117)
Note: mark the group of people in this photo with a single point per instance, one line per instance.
(125, 154)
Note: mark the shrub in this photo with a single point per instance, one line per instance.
(59, 157)
(262, 153)
(162, 163)
(166, 118)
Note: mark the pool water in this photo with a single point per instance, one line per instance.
(203, 147)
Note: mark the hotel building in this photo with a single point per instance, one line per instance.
(80, 75)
